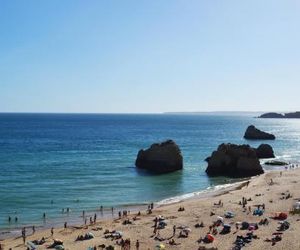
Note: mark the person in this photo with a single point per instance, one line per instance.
(65, 225)
(83, 213)
(137, 245)
(24, 235)
(44, 216)
(9, 219)
(16, 219)
(68, 210)
(95, 218)
(52, 231)
(174, 230)
(120, 215)
(33, 229)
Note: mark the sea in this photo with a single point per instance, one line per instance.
(51, 162)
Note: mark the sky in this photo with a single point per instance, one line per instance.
(108, 56)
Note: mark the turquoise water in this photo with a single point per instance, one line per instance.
(83, 161)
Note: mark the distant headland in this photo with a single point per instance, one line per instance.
(281, 115)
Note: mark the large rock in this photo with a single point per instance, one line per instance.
(252, 133)
(160, 158)
(234, 161)
(265, 151)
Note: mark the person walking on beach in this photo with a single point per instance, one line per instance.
(95, 218)
(24, 235)
(174, 230)
(33, 229)
(65, 225)
(137, 245)
(52, 231)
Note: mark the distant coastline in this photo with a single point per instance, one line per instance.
(292, 115)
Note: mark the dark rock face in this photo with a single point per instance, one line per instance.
(265, 151)
(234, 161)
(160, 158)
(292, 115)
(252, 133)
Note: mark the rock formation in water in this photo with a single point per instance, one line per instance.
(279, 115)
(234, 161)
(265, 151)
(252, 133)
(160, 158)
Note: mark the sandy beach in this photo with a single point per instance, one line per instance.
(276, 191)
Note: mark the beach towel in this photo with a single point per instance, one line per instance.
(59, 247)
(31, 245)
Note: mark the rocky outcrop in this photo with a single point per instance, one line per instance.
(160, 158)
(271, 115)
(265, 151)
(252, 133)
(234, 161)
(292, 115)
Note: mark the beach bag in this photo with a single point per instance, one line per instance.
(282, 216)
(245, 225)
(226, 229)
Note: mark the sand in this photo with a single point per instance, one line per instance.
(198, 210)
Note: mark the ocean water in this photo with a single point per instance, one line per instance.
(82, 161)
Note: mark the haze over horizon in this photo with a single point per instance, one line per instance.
(149, 57)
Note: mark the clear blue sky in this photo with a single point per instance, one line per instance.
(149, 56)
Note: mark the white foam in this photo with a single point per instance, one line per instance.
(203, 193)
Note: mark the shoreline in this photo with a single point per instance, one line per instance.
(197, 209)
(106, 215)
